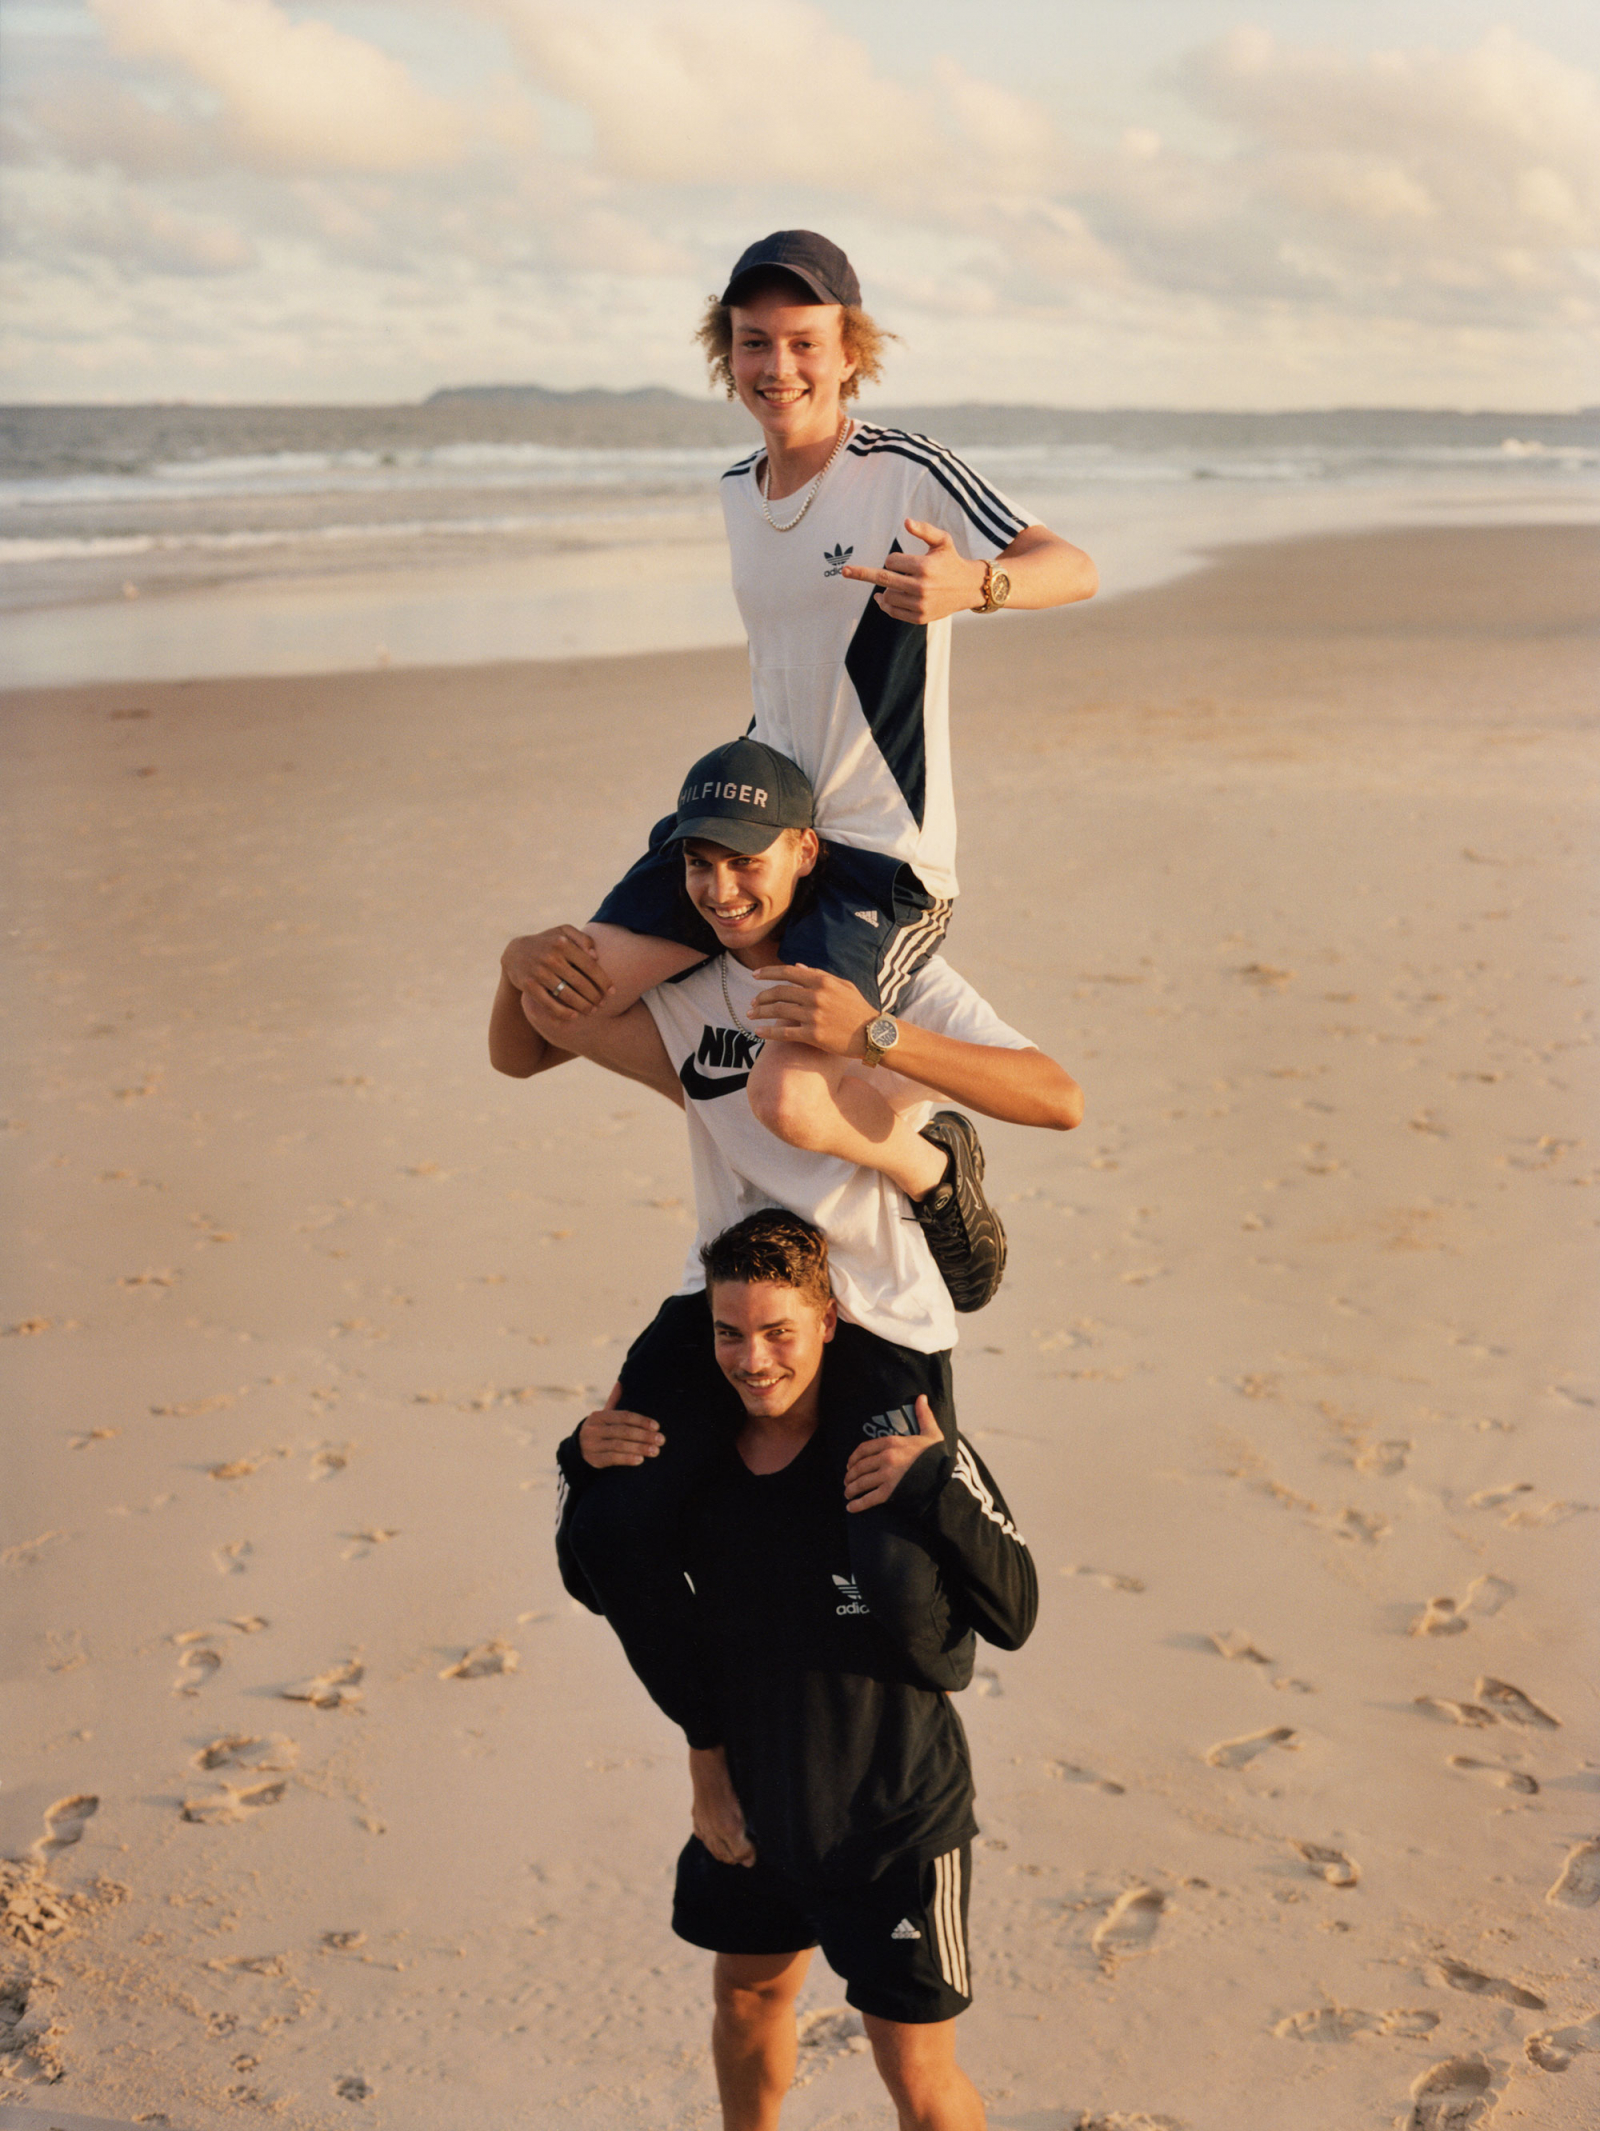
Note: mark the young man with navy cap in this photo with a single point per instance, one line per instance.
(746, 876)
(852, 544)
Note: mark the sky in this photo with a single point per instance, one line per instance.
(1180, 203)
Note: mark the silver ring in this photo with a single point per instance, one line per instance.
(558, 988)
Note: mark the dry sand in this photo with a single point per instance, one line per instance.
(352, 1819)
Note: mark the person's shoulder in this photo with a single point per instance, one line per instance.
(881, 439)
(741, 467)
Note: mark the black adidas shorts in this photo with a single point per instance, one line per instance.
(871, 920)
(899, 1941)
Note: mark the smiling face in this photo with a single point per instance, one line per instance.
(788, 362)
(769, 1344)
(745, 896)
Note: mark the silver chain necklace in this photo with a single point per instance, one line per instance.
(765, 484)
(722, 971)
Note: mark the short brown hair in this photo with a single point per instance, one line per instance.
(774, 1247)
(864, 341)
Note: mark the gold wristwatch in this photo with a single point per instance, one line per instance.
(996, 590)
(882, 1035)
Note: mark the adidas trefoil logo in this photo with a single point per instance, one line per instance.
(836, 557)
(905, 1929)
(851, 1595)
(868, 917)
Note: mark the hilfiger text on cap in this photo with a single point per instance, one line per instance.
(752, 795)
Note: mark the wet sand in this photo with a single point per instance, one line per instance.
(331, 1809)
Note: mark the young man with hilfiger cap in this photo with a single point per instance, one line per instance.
(870, 1146)
(832, 1787)
(853, 544)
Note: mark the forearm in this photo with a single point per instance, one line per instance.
(1045, 570)
(1019, 1087)
(515, 1045)
(953, 1506)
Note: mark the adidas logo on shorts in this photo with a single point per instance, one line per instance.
(867, 917)
(851, 1595)
(905, 1929)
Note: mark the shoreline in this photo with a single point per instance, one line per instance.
(1288, 861)
(647, 594)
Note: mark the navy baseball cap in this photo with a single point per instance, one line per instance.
(824, 269)
(743, 795)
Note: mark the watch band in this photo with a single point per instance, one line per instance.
(990, 604)
(873, 1053)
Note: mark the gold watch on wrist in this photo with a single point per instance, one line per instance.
(881, 1036)
(996, 590)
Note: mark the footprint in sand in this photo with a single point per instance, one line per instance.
(1579, 1884)
(1458, 1976)
(1512, 1704)
(334, 1689)
(1439, 1617)
(198, 1662)
(1555, 2049)
(481, 1663)
(233, 1803)
(1472, 1714)
(1069, 1772)
(64, 1824)
(1487, 1594)
(1234, 1753)
(1129, 1924)
(1509, 1779)
(1452, 2096)
(1342, 2023)
(1331, 1865)
(1111, 1579)
(1121, 2120)
(827, 2035)
(1237, 1646)
(352, 2087)
(1498, 1497)
(242, 1750)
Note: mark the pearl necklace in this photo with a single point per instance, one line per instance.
(765, 483)
(722, 971)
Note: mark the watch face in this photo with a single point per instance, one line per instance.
(883, 1034)
(999, 588)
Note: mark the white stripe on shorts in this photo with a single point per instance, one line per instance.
(947, 1932)
(909, 948)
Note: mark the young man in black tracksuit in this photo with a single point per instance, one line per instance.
(833, 1796)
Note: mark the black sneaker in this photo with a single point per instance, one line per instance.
(962, 1228)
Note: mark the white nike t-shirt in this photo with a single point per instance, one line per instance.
(883, 1273)
(860, 701)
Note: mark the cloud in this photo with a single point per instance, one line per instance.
(1472, 171)
(296, 95)
(679, 92)
(128, 230)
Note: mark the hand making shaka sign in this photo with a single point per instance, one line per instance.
(924, 588)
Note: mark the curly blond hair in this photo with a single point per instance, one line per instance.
(865, 343)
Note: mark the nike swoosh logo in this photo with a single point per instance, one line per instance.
(699, 1088)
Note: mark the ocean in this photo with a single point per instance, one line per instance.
(508, 523)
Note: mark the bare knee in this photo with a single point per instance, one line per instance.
(918, 2066)
(788, 1096)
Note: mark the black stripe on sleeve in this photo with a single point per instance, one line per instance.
(983, 505)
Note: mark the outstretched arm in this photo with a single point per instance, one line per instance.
(1044, 569)
(811, 1006)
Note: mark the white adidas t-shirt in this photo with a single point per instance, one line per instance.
(860, 701)
(883, 1274)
